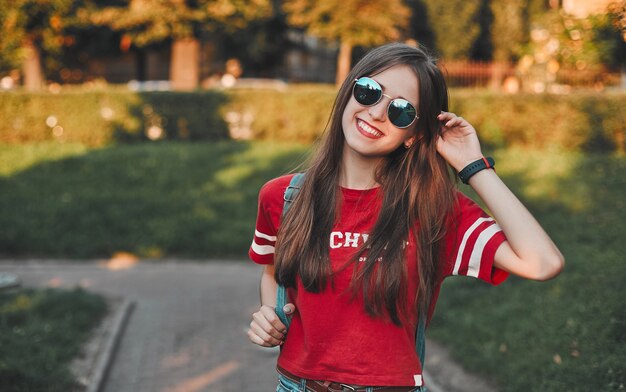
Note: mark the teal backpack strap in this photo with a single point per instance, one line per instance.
(281, 295)
(420, 343)
(420, 339)
(281, 301)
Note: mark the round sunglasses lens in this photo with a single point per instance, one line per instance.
(401, 113)
(367, 91)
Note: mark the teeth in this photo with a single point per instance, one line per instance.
(369, 129)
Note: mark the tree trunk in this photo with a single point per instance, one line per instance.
(33, 74)
(343, 62)
(140, 64)
(185, 64)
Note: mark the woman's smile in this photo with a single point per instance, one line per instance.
(368, 130)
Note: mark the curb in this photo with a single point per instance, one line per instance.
(431, 384)
(446, 375)
(108, 353)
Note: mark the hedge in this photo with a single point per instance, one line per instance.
(102, 117)
(582, 120)
(577, 121)
(296, 114)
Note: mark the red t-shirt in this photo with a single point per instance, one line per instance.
(331, 337)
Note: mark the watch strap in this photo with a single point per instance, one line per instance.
(474, 167)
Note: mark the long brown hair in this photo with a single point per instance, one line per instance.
(417, 199)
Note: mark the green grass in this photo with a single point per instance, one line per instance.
(17, 158)
(40, 333)
(199, 200)
(154, 200)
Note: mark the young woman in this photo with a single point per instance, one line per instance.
(377, 225)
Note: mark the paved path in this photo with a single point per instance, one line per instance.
(187, 332)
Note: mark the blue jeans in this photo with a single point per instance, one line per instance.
(287, 385)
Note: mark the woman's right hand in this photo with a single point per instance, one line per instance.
(266, 329)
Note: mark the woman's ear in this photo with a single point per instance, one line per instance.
(409, 142)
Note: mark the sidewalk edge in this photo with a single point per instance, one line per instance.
(106, 357)
(431, 384)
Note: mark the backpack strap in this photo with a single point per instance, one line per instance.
(420, 338)
(281, 295)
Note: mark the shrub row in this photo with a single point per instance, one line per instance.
(578, 121)
(296, 114)
(97, 118)
(582, 120)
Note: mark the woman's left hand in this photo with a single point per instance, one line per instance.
(458, 143)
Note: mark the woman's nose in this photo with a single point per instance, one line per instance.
(377, 112)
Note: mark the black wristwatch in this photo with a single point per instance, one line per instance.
(474, 167)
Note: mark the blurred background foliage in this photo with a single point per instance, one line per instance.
(40, 38)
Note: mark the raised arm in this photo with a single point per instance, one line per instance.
(528, 252)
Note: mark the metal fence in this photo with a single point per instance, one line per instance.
(494, 74)
(476, 73)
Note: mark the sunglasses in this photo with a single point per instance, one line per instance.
(368, 92)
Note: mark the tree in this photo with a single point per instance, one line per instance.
(351, 22)
(509, 34)
(454, 24)
(610, 35)
(420, 25)
(482, 49)
(148, 22)
(260, 45)
(34, 32)
(589, 43)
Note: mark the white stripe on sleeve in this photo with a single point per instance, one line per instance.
(468, 233)
(264, 236)
(477, 253)
(262, 250)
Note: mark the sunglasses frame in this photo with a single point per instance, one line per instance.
(382, 94)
